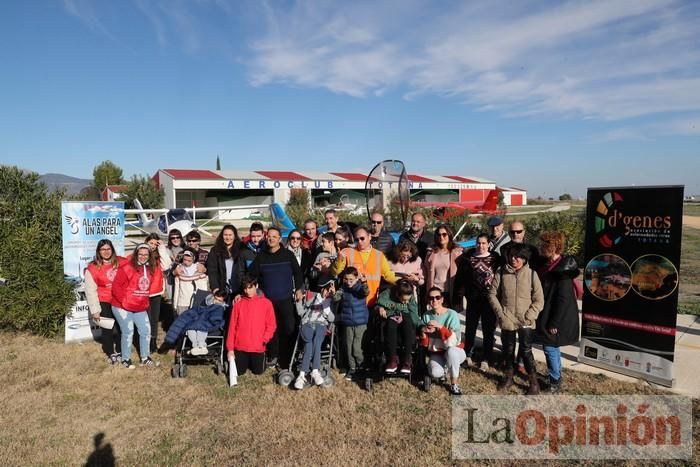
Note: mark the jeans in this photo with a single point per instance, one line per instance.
(313, 335)
(553, 356)
(508, 341)
(352, 339)
(126, 320)
(452, 358)
(480, 308)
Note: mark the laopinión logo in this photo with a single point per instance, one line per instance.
(612, 224)
(572, 427)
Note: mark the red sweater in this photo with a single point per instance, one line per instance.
(132, 286)
(252, 325)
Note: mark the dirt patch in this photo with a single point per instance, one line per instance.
(692, 221)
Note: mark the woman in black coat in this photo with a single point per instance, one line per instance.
(224, 266)
(558, 323)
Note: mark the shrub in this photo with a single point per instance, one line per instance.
(572, 225)
(31, 255)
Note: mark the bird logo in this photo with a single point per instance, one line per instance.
(74, 224)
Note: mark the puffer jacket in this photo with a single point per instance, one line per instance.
(516, 297)
(560, 306)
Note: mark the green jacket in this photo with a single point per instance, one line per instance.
(393, 308)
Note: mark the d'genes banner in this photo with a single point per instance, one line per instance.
(630, 301)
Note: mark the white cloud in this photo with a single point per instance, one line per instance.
(609, 60)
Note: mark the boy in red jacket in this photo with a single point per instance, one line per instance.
(252, 326)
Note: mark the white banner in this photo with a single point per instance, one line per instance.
(85, 224)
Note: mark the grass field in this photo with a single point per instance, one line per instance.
(58, 399)
(689, 291)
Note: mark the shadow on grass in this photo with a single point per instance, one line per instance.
(103, 455)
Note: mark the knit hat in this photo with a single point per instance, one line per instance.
(322, 255)
(494, 221)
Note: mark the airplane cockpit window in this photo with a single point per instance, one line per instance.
(162, 226)
(175, 215)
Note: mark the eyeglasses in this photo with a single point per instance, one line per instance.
(175, 238)
(362, 239)
(295, 238)
(517, 231)
(434, 297)
(443, 234)
(192, 240)
(377, 222)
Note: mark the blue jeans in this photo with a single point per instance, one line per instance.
(126, 320)
(553, 356)
(313, 336)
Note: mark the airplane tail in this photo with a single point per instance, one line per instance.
(143, 218)
(280, 219)
(491, 203)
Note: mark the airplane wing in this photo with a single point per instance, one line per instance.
(145, 211)
(227, 208)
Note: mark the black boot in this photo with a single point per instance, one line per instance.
(507, 381)
(554, 385)
(534, 388)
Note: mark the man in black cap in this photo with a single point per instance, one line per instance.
(498, 236)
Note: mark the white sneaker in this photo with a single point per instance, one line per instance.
(199, 351)
(317, 377)
(204, 350)
(484, 366)
(300, 381)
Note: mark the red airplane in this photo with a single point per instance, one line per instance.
(456, 208)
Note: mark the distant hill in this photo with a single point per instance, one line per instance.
(72, 185)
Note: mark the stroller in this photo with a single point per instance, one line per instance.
(328, 350)
(215, 345)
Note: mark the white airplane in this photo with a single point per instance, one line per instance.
(165, 220)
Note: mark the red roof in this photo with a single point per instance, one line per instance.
(274, 175)
(418, 178)
(116, 188)
(350, 176)
(187, 173)
(460, 179)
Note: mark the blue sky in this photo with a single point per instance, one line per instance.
(550, 96)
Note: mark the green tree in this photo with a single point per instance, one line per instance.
(106, 173)
(572, 225)
(145, 190)
(297, 207)
(218, 163)
(565, 197)
(31, 255)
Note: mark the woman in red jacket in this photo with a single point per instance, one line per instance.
(132, 286)
(252, 326)
(99, 276)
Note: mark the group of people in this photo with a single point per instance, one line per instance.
(362, 281)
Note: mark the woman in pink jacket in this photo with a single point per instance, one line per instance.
(134, 283)
(441, 263)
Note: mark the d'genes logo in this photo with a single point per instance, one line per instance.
(612, 225)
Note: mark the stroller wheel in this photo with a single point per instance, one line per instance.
(368, 384)
(183, 371)
(328, 381)
(285, 378)
(427, 382)
(175, 371)
(218, 368)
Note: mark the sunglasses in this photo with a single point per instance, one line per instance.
(435, 297)
(377, 222)
(295, 238)
(443, 234)
(175, 238)
(517, 231)
(192, 240)
(362, 239)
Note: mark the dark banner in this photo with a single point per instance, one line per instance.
(630, 301)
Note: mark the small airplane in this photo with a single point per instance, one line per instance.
(165, 220)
